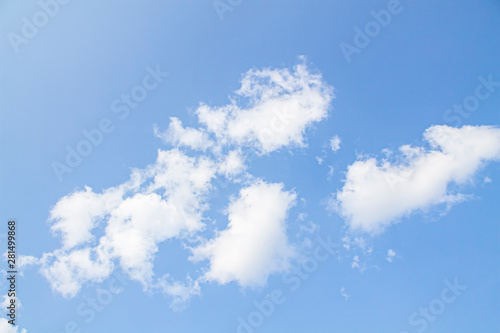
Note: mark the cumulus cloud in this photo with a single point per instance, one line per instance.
(255, 244)
(232, 164)
(376, 194)
(66, 271)
(75, 215)
(5, 327)
(165, 200)
(122, 227)
(271, 110)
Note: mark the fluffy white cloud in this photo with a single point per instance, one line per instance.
(75, 215)
(66, 271)
(122, 227)
(255, 244)
(232, 165)
(376, 194)
(5, 327)
(165, 200)
(271, 110)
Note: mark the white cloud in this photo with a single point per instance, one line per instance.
(331, 171)
(376, 194)
(356, 242)
(487, 180)
(5, 327)
(390, 255)
(165, 200)
(335, 143)
(232, 164)
(306, 226)
(75, 215)
(7, 301)
(271, 110)
(24, 261)
(255, 244)
(122, 227)
(179, 136)
(355, 262)
(181, 292)
(67, 271)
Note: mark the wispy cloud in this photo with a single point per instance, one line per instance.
(390, 255)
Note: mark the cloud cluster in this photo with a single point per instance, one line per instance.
(271, 110)
(165, 200)
(376, 194)
(123, 226)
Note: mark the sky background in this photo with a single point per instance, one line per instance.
(429, 57)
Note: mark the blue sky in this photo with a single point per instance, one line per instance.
(236, 187)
